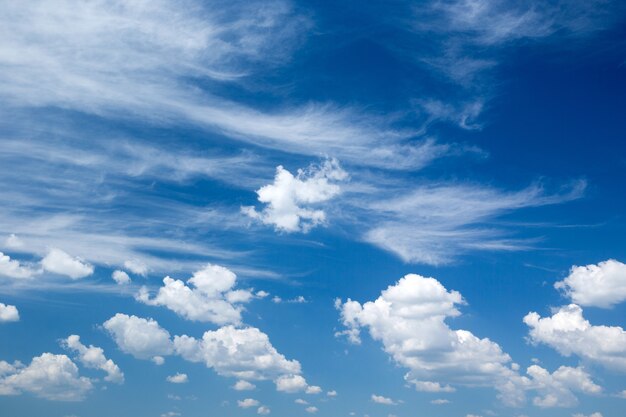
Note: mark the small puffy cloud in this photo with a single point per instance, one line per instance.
(142, 338)
(262, 294)
(557, 389)
(59, 262)
(13, 242)
(178, 378)
(170, 414)
(247, 403)
(136, 267)
(158, 360)
(596, 414)
(291, 383)
(332, 393)
(301, 401)
(602, 285)
(93, 357)
(313, 389)
(8, 313)
(263, 410)
(291, 200)
(570, 333)
(440, 401)
(14, 269)
(311, 410)
(429, 386)
(379, 399)
(208, 296)
(53, 377)
(243, 385)
(120, 277)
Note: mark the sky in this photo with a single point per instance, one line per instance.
(312, 208)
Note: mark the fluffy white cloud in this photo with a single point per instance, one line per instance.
(311, 410)
(120, 277)
(409, 319)
(263, 410)
(313, 389)
(13, 269)
(61, 263)
(557, 389)
(93, 357)
(142, 338)
(178, 378)
(136, 267)
(332, 393)
(569, 333)
(290, 199)
(247, 403)
(243, 385)
(301, 401)
(596, 414)
(379, 399)
(8, 313)
(291, 383)
(53, 377)
(208, 297)
(602, 285)
(440, 401)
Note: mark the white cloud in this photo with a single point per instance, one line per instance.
(332, 393)
(120, 277)
(379, 399)
(434, 224)
(557, 389)
(142, 338)
(430, 386)
(209, 297)
(53, 377)
(596, 414)
(247, 403)
(243, 385)
(311, 410)
(61, 263)
(13, 242)
(291, 383)
(313, 389)
(569, 333)
(440, 401)
(93, 357)
(263, 410)
(178, 378)
(13, 269)
(8, 313)
(158, 360)
(291, 200)
(602, 285)
(300, 401)
(136, 266)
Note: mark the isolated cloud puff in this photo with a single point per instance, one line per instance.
(379, 399)
(93, 357)
(49, 376)
(61, 263)
(142, 338)
(247, 403)
(570, 333)
(120, 277)
(12, 268)
(209, 297)
(178, 378)
(291, 200)
(8, 313)
(602, 285)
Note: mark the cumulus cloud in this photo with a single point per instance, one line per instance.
(142, 338)
(8, 313)
(291, 200)
(53, 377)
(570, 333)
(596, 414)
(331, 393)
(440, 401)
(311, 409)
(93, 357)
(263, 410)
(243, 385)
(247, 403)
(178, 378)
(59, 262)
(557, 389)
(14, 269)
(120, 277)
(209, 297)
(602, 285)
(136, 267)
(379, 399)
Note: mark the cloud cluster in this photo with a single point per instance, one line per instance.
(602, 285)
(142, 338)
(291, 199)
(8, 313)
(12, 268)
(93, 357)
(209, 297)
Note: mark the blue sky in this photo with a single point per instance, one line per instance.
(381, 209)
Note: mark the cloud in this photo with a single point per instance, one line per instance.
(331, 393)
(120, 277)
(602, 285)
(557, 389)
(61, 263)
(570, 333)
(178, 378)
(596, 414)
(53, 377)
(243, 385)
(433, 224)
(247, 403)
(136, 267)
(210, 297)
(311, 410)
(13, 269)
(8, 313)
(379, 399)
(93, 357)
(291, 199)
(429, 386)
(142, 338)
(291, 383)
(300, 401)
(263, 410)
(440, 401)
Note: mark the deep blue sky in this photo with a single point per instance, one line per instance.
(321, 151)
